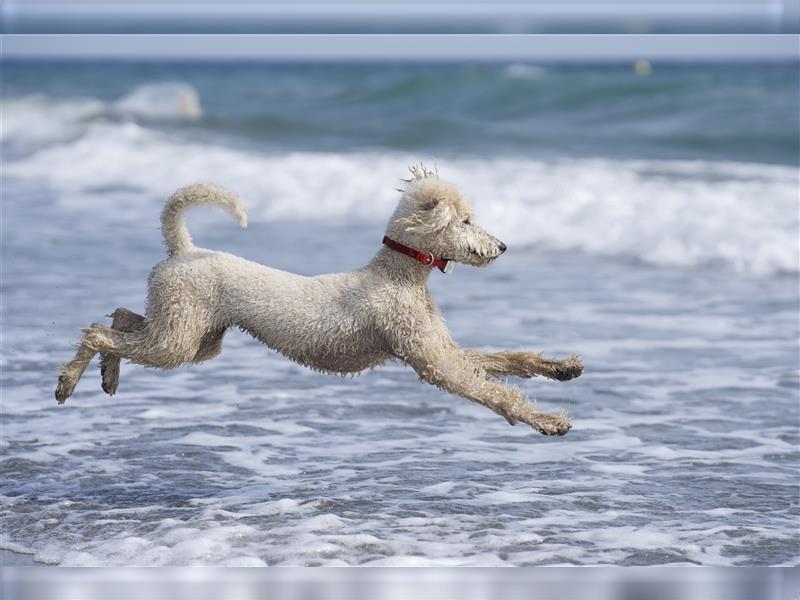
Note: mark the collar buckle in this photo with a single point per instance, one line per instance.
(426, 258)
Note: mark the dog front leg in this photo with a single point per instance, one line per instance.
(450, 369)
(526, 364)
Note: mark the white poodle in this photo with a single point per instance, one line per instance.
(338, 323)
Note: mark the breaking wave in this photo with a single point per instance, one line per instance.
(662, 212)
(34, 120)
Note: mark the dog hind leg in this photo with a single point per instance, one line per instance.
(71, 372)
(151, 346)
(123, 320)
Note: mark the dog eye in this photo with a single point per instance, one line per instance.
(465, 221)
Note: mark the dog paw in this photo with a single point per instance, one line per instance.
(109, 375)
(569, 368)
(551, 424)
(64, 388)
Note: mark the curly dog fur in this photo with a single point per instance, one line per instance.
(338, 323)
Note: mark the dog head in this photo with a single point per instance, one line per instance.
(434, 216)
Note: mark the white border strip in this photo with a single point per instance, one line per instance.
(408, 47)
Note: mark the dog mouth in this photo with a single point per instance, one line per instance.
(474, 259)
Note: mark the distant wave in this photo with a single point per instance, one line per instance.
(162, 101)
(678, 213)
(744, 113)
(31, 121)
(523, 71)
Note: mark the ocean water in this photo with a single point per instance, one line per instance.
(652, 226)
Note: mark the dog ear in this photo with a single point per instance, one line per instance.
(428, 203)
(436, 214)
(430, 215)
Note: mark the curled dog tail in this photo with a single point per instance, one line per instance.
(173, 217)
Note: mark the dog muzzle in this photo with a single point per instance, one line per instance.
(426, 258)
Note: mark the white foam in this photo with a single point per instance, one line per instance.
(168, 100)
(620, 469)
(442, 489)
(35, 119)
(276, 507)
(325, 522)
(213, 544)
(32, 120)
(500, 497)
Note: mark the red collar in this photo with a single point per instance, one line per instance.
(426, 258)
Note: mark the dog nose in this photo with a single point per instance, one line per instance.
(502, 247)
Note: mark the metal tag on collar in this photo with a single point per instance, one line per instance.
(448, 268)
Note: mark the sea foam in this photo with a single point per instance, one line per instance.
(684, 446)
